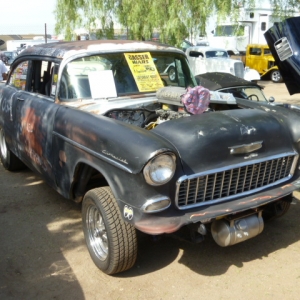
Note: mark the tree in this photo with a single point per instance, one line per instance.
(88, 14)
(174, 19)
(285, 8)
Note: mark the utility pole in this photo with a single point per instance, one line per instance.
(45, 33)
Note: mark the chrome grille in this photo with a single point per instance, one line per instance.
(226, 184)
(239, 69)
(283, 48)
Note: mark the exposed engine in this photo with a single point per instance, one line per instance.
(144, 117)
(168, 107)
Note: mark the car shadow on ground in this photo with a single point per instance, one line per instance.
(36, 225)
(209, 259)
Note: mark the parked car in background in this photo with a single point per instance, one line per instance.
(238, 87)
(204, 59)
(11, 55)
(259, 57)
(104, 125)
(202, 42)
(185, 44)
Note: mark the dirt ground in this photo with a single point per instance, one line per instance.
(43, 253)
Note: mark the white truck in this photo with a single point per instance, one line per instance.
(232, 37)
(252, 24)
(205, 59)
(17, 45)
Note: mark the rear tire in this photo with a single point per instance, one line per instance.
(112, 242)
(9, 161)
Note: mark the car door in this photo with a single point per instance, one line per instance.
(255, 59)
(32, 114)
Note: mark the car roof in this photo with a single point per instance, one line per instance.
(217, 80)
(66, 49)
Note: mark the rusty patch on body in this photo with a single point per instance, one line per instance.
(33, 138)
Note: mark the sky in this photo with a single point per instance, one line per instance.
(27, 17)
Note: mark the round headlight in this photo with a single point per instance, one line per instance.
(160, 169)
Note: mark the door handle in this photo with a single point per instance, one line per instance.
(20, 99)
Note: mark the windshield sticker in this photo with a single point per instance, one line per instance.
(144, 71)
(19, 76)
(102, 84)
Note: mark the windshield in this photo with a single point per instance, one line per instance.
(111, 75)
(10, 55)
(218, 53)
(250, 93)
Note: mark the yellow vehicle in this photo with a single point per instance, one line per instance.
(260, 58)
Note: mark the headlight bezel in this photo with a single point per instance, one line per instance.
(149, 169)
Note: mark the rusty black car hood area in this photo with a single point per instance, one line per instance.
(211, 136)
(202, 142)
(284, 42)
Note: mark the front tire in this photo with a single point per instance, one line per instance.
(277, 209)
(276, 76)
(9, 161)
(112, 242)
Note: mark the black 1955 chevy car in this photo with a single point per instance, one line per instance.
(103, 124)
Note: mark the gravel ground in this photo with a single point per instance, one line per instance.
(43, 253)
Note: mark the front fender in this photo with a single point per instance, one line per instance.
(123, 145)
(267, 72)
(251, 74)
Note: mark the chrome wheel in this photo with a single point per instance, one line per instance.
(9, 160)
(276, 76)
(111, 241)
(172, 74)
(3, 147)
(97, 232)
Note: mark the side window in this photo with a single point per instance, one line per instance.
(263, 26)
(196, 54)
(42, 78)
(255, 51)
(18, 78)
